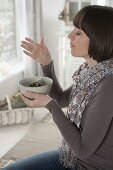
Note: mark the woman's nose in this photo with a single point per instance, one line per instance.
(71, 36)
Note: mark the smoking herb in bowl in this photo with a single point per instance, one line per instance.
(35, 84)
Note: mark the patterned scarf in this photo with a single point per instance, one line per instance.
(85, 80)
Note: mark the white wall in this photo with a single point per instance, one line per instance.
(52, 25)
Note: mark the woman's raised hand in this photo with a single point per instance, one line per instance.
(38, 51)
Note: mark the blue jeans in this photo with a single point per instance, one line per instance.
(43, 161)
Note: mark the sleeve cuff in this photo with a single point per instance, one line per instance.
(51, 104)
(47, 66)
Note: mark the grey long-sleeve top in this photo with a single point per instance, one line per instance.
(93, 143)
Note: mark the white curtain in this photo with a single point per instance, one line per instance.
(102, 2)
(29, 18)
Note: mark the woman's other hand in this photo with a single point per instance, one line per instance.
(34, 100)
(38, 51)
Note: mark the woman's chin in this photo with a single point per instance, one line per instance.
(74, 55)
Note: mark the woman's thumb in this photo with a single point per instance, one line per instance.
(42, 42)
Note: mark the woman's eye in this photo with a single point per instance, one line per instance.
(78, 33)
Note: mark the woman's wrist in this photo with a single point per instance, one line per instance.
(48, 100)
(47, 64)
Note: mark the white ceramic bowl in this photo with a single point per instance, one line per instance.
(44, 84)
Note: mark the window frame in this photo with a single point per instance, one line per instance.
(12, 66)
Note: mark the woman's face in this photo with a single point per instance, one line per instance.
(79, 43)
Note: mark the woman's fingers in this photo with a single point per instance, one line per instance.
(27, 53)
(34, 43)
(30, 51)
(42, 42)
(27, 46)
(28, 101)
(27, 43)
(31, 41)
(32, 99)
(30, 95)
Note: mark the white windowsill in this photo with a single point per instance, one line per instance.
(18, 68)
(9, 82)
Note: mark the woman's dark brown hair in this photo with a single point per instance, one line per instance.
(97, 22)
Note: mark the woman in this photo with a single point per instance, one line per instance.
(87, 129)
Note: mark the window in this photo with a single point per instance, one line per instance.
(16, 22)
(71, 8)
(7, 30)
(8, 50)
